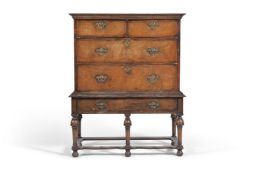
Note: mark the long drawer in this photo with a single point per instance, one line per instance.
(126, 105)
(126, 50)
(127, 77)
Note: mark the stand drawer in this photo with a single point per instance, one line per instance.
(126, 105)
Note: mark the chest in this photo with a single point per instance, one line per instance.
(127, 56)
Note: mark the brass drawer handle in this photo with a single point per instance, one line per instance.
(153, 105)
(101, 105)
(153, 78)
(153, 51)
(101, 51)
(127, 42)
(101, 78)
(101, 24)
(153, 24)
(127, 69)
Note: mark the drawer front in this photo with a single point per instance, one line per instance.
(100, 28)
(127, 77)
(126, 50)
(153, 28)
(126, 105)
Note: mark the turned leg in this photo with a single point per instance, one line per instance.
(75, 134)
(79, 133)
(179, 123)
(173, 128)
(80, 118)
(127, 124)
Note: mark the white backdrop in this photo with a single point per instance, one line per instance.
(220, 76)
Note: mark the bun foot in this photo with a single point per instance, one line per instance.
(128, 153)
(75, 154)
(179, 153)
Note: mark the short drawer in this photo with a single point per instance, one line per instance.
(126, 105)
(100, 28)
(126, 50)
(126, 77)
(153, 28)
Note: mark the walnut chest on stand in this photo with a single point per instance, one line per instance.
(126, 64)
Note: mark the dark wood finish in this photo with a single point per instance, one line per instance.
(126, 105)
(125, 94)
(127, 124)
(127, 63)
(102, 16)
(173, 128)
(79, 118)
(131, 147)
(123, 138)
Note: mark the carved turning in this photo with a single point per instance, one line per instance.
(80, 118)
(75, 123)
(173, 117)
(127, 124)
(179, 123)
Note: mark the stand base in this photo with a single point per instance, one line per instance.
(127, 153)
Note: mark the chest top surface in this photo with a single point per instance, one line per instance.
(127, 16)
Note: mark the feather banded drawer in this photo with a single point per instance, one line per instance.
(126, 64)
